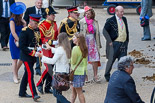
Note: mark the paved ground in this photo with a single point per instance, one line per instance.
(95, 93)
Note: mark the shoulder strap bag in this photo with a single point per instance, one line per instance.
(71, 75)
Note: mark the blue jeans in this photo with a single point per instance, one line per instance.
(146, 32)
(60, 97)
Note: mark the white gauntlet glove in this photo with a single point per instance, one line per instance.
(55, 42)
(36, 54)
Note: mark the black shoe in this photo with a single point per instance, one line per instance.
(26, 95)
(36, 97)
(40, 89)
(146, 39)
(4, 48)
(49, 91)
(107, 79)
(38, 72)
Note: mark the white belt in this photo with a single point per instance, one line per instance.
(31, 48)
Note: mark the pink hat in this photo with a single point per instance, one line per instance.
(86, 8)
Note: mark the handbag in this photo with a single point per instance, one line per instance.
(144, 22)
(61, 81)
(71, 75)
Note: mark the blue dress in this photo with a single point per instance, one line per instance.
(14, 50)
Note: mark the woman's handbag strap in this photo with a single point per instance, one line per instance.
(78, 64)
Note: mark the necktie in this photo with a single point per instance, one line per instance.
(121, 23)
(6, 9)
(38, 12)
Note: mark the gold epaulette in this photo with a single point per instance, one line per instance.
(72, 19)
(24, 28)
(72, 30)
(41, 22)
(64, 20)
(49, 42)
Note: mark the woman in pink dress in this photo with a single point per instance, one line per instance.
(90, 28)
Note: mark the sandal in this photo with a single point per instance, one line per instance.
(97, 79)
(16, 81)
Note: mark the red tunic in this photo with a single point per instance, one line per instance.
(48, 32)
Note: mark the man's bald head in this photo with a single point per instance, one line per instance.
(38, 4)
(119, 8)
(119, 11)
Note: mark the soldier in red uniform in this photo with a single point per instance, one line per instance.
(48, 32)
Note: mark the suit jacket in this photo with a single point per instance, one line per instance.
(30, 10)
(146, 8)
(122, 89)
(1, 6)
(110, 31)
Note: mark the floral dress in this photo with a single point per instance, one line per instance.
(93, 54)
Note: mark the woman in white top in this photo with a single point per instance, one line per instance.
(61, 58)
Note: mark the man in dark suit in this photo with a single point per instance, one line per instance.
(37, 9)
(121, 87)
(146, 12)
(117, 37)
(4, 21)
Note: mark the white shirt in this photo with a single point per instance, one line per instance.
(3, 15)
(119, 19)
(59, 59)
(37, 11)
